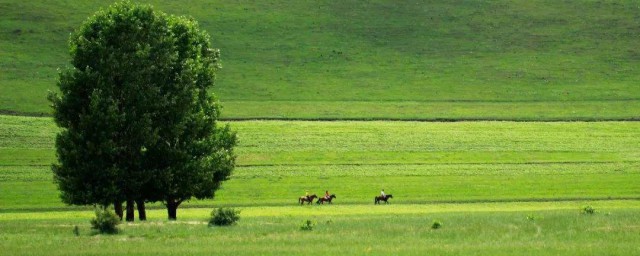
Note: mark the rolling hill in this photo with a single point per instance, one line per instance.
(419, 60)
(497, 188)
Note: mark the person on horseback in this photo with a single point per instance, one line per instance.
(382, 194)
(306, 194)
(326, 195)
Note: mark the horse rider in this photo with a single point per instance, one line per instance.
(306, 194)
(326, 195)
(382, 194)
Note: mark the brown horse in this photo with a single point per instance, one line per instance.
(377, 199)
(307, 199)
(321, 200)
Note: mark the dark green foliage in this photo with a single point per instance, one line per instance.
(224, 217)
(588, 210)
(436, 225)
(307, 225)
(137, 120)
(76, 231)
(105, 222)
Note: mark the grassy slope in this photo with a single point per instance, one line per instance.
(376, 59)
(417, 162)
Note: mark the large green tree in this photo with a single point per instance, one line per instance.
(138, 123)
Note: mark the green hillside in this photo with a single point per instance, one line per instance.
(513, 60)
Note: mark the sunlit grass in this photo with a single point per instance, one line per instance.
(194, 214)
(418, 162)
(546, 228)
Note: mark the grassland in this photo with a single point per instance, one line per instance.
(426, 60)
(419, 162)
(470, 229)
(499, 188)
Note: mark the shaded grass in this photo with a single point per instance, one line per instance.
(545, 60)
(283, 136)
(373, 170)
(447, 157)
(30, 141)
(434, 110)
(27, 132)
(27, 156)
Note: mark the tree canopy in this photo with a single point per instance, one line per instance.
(138, 121)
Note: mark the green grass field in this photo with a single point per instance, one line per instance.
(499, 188)
(426, 60)
(421, 162)
(469, 229)
(368, 73)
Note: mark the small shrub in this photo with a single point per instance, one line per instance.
(532, 217)
(105, 222)
(224, 217)
(307, 225)
(436, 225)
(588, 210)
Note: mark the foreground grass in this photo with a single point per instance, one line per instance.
(506, 60)
(498, 188)
(478, 229)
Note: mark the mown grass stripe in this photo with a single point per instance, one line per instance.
(534, 204)
(435, 120)
(426, 164)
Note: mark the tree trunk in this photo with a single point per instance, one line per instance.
(142, 212)
(172, 209)
(117, 206)
(131, 215)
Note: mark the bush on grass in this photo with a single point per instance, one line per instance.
(224, 217)
(307, 225)
(588, 210)
(105, 222)
(436, 225)
(532, 217)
